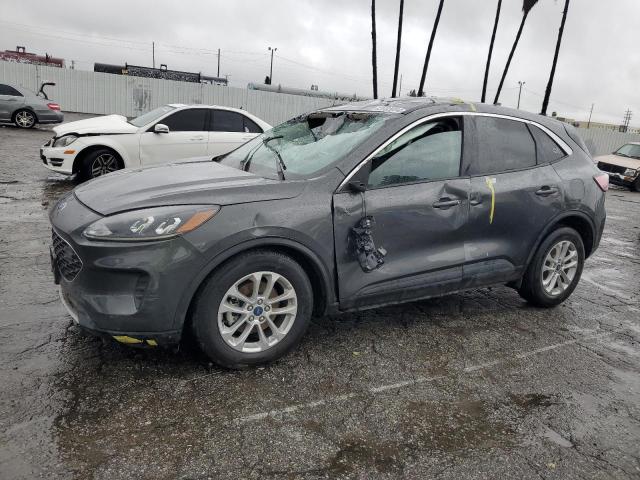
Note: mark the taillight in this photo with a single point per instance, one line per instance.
(602, 179)
(53, 106)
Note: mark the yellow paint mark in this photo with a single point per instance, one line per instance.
(126, 339)
(152, 342)
(489, 181)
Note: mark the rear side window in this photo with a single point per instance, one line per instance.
(547, 149)
(250, 126)
(191, 120)
(429, 151)
(502, 145)
(7, 90)
(225, 121)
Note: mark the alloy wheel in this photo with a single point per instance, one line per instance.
(257, 312)
(103, 164)
(25, 119)
(559, 267)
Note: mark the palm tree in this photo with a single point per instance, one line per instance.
(426, 59)
(493, 38)
(547, 93)
(395, 71)
(527, 5)
(374, 62)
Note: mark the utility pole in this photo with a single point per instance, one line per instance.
(520, 92)
(218, 64)
(153, 53)
(627, 119)
(400, 87)
(271, 69)
(590, 113)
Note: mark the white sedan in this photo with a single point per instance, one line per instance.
(100, 145)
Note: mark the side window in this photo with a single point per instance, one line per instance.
(501, 145)
(430, 151)
(547, 149)
(7, 90)
(190, 120)
(250, 126)
(226, 121)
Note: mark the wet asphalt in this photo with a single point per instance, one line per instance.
(474, 385)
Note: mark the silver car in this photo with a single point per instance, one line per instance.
(25, 108)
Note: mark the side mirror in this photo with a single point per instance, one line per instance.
(357, 186)
(160, 128)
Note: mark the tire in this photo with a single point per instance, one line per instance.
(216, 312)
(635, 186)
(25, 119)
(99, 162)
(538, 286)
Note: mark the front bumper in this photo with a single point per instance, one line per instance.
(621, 180)
(126, 290)
(60, 159)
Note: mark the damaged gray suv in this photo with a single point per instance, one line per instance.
(346, 208)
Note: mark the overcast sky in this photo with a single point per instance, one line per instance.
(328, 43)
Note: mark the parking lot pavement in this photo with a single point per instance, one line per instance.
(474, 385)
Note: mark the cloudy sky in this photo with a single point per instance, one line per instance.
(328, 43)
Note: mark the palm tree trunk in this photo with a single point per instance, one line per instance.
(374, 62)
(395, 71)
(547, 93)
(428, 57)
(493, 38)
(513, 49)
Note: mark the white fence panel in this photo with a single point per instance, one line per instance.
(601, 141)
(103, 93)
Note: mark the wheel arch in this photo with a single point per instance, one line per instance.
(320, 278)
(77, 162)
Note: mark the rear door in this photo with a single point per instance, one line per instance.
(515, 192)
(187, 138)
(228, 130)
(419, 204)
(10, 100)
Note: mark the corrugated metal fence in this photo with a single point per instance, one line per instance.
(601, 141)
(103, 93)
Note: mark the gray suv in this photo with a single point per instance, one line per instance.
(346, 208)
(25, 108)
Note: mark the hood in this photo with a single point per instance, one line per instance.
(99, 125)
(196, 183)
(626, 162)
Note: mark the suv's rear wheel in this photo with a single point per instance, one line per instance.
(98, 163)
(24, 119)
(253, 309)
(555, 269)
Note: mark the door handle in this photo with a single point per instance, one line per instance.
(445, 203)
(546, 190)
(193, 139)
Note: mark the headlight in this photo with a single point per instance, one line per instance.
(630, 172)
(151, 223)
(65, 140)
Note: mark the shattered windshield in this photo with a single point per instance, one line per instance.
(629, 150)
(305, 145)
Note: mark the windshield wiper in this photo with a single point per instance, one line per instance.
(280, 166)
(246, 162)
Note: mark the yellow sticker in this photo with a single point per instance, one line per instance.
(490, 181)
(126, 339)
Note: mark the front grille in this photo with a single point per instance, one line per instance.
(607, 167)
(67, 260)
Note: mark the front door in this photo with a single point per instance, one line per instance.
(10, 101)
(187, 138)
(515, 193)
(419, 204)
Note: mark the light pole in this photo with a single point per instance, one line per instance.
(520, 92)
(271, 69)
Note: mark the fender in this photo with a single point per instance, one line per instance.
(554, 221)
(326, 280)
(103, 141)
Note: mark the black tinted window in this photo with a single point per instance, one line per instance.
(501, 145)
(7, 90)
(430, 151)
(547, 149)
(250, 126)
(225, 121)
(192, 120)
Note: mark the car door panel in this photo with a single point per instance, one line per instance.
(10, 101)
(220, 143)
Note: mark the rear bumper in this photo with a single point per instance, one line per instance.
(50, 116)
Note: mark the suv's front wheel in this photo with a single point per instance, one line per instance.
(253, 309)
(555, 269)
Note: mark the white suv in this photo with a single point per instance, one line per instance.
(100, 145)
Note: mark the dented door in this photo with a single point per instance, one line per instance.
(419, 225)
